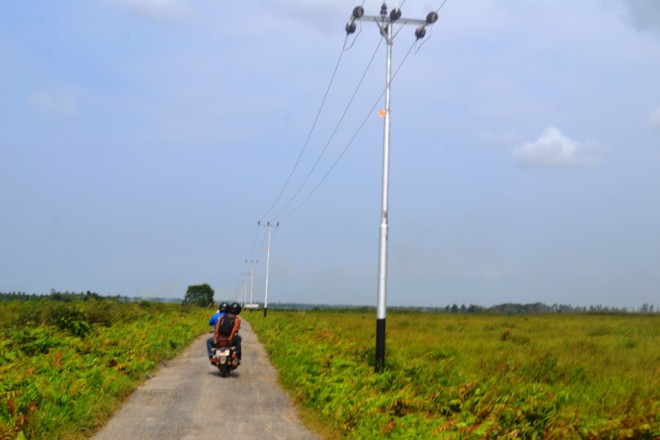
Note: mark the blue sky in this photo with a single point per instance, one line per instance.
(142, 140)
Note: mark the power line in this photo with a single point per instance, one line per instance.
(334, 132)
(356, 133)
(318, 113)
(254, 242)
(288, 181)
(350, 142)
(440, 7)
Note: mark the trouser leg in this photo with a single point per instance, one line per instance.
(209, 346)
(237, 344)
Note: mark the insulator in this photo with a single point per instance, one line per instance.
(420, 32)
(431, 18)
(358, 12)
(395, 14)
(383, 10)
(350, 27)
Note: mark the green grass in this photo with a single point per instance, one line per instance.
(66, 367)
(471, 376)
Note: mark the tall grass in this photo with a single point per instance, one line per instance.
(471, 376)
(65, 367)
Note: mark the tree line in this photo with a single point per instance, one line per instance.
(505, 308)
(77, 296)
(202, 295)
(539, 307)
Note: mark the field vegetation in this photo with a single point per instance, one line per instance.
(66, 364)
(587, 376)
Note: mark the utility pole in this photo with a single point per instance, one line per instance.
(270, 229)
(244, 275)
(252, 263)
(384, 23)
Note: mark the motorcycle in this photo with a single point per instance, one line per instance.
(225, 357)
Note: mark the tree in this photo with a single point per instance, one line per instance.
(200, 295)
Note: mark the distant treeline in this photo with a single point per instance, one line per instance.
(506, 308)
(74, 296)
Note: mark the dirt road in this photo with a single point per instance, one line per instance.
(187, 399)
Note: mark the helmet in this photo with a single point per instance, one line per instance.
(223, 307)
(235, 308)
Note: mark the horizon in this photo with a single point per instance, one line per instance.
(452, 308)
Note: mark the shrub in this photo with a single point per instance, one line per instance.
(70, 318)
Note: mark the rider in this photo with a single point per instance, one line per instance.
(222, 309)
(234, 338)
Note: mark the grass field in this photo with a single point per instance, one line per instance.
(470, 376)
(66, 366)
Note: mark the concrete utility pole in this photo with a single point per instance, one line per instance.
(252, 263)
(384, 23)
(245, 274)
(270, 228)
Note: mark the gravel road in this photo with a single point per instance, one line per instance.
(187, 399)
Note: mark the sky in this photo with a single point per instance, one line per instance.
(145, 146)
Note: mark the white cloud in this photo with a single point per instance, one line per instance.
(53, 102)
(654, 120)
(157, 10)
(552, 148)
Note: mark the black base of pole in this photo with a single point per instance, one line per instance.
(380, 345)
(265, 311)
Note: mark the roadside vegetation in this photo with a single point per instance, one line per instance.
(67, 362)
(492, 376)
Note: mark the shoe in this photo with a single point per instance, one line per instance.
(213, 360)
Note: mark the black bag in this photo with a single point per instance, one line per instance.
(226, 325)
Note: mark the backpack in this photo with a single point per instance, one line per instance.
(226, 325)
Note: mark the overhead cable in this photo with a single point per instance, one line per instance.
(334, 132)
(364, 121)
(318, 113)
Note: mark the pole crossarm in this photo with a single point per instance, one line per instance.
(386, 20)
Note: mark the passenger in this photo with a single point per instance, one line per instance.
(222, 309)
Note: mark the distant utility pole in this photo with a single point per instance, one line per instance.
(384, 23)
(252, 263)
(244, 275)
(270, 229)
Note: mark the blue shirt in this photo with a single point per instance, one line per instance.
(214, 319)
